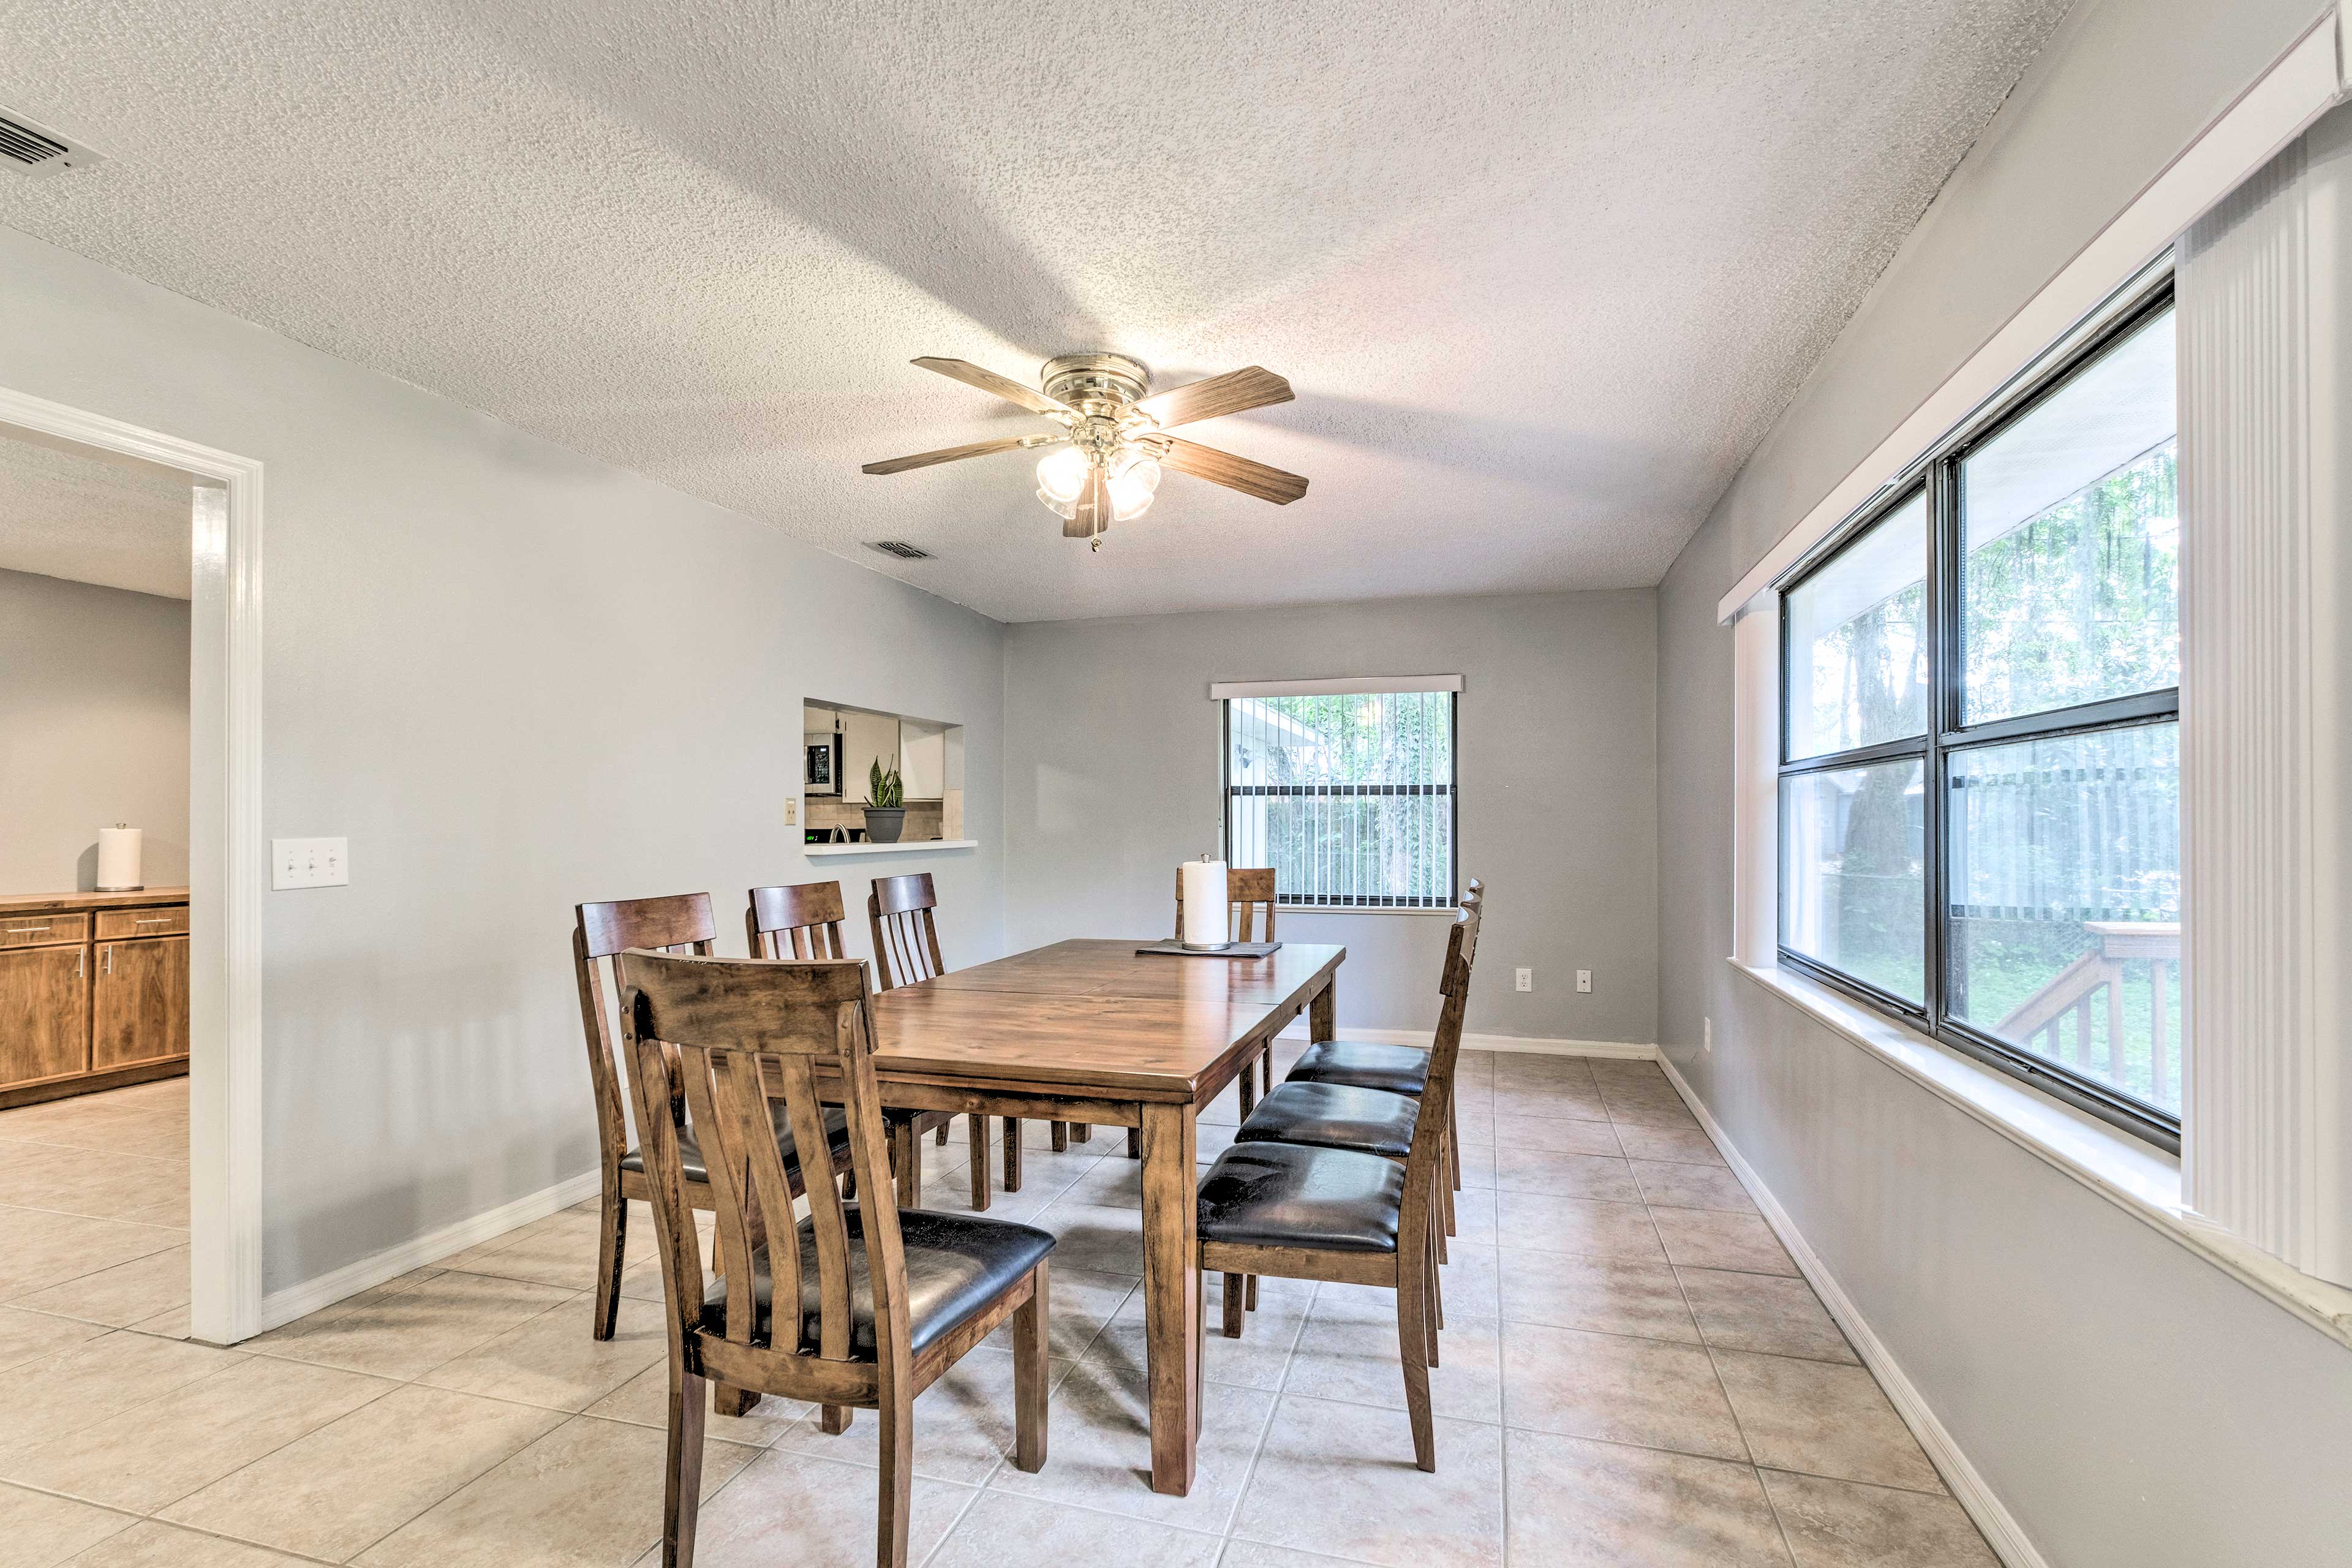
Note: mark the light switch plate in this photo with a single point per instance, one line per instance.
(309, 863)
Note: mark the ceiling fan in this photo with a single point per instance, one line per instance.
(1113, 440)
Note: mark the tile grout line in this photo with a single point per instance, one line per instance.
(1229, 1531)
(104, 1219)
(1715, 1370)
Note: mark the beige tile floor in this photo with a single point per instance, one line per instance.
(1633, 1376)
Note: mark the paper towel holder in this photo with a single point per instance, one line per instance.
(119, 860)
(1185, 900)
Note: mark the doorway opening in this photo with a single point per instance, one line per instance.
(130, 852)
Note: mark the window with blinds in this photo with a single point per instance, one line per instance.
(1348, 795)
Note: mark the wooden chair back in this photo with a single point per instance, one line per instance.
(906, 935)
(799, 921)
(713, 1041)
(1429, 1124)
(599, 932)
(1250, 889)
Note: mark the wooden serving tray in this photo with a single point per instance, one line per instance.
(1237, 950)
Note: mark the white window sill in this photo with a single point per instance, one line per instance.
(2141, 1179)
(904, 846)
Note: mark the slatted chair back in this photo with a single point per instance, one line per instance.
(599, 932)
(1432, 1119)
(1249, 888)
(799, 921)
(906, 937)
(716, 1039)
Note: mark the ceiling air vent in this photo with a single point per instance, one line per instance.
(901, 549)
(35, 149)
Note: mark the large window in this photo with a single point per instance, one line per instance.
(1348, 795)
(1981, 774)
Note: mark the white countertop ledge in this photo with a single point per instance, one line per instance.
(904, 846)
(2137, 1176)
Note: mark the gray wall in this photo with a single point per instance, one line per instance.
(93, 731)
(2130, 1404)
(1112, 778)
(517, 679)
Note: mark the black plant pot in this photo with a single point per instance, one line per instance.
(884, 824)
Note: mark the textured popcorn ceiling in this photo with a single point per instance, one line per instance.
(1542, 274)
(92, 517)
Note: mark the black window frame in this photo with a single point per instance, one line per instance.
(1452, 790)
(1936, 475)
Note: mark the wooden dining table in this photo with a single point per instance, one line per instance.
(1094, 1032)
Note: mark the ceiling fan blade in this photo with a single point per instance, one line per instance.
(1011, 391)
(951, 454)
(1231, 392)
(1092, 515)
(1234, 473)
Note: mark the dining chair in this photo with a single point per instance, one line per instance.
(1371, 1121)
(1397, 1069)
(901, 912)
(599, 932)
(876, 1302)
(1303, 1211)
(805, 921)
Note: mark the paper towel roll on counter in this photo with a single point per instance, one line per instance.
(118, 860)
(1207, 912)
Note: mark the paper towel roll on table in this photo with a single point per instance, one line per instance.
(118, 860)
(1207, 907)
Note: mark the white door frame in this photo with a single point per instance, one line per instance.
(226, 859)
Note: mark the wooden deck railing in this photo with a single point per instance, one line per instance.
(2038, 1022)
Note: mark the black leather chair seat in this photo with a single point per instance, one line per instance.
(957, 1266)
(689, 1147)
(1399, 1069)
(1334, 1116)
(1289, 1195)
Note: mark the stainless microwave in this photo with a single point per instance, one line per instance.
(821, 769)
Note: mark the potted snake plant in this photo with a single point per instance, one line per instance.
(885, 810)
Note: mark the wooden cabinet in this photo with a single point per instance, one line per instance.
(93, 991)
(48, 928)
(44, 1001)
(113, 925)
(139, 1002)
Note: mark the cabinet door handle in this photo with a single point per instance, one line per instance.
(109, 951)
(26, 931)
(77, 953)
(158, 920)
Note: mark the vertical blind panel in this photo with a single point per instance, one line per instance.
(1348, 796)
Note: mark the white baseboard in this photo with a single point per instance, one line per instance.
(1618, 1051)
(301, 1301)
(2000, 1527)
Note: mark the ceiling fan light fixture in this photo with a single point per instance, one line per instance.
(1131, 488)
(1061, 475)
(1111, 442)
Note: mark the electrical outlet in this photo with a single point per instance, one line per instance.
(792, 811)
(1526, 979)
(1584, 980)
(309, 863)
(1706, 1035)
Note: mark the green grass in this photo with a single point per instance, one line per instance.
(2006, 962)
